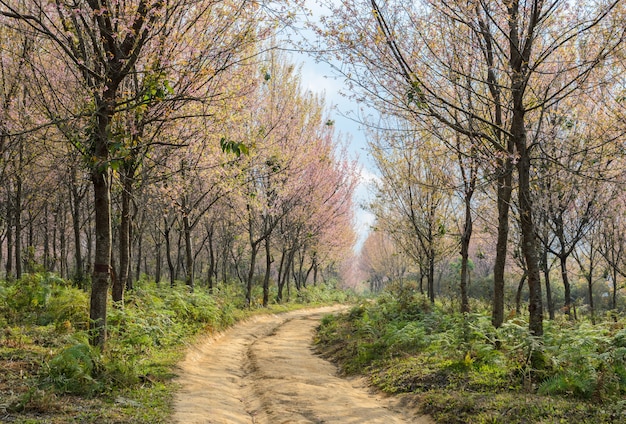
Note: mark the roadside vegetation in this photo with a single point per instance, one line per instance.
(460, 369)
(52, 375)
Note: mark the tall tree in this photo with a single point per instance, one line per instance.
(102, 44)
(515, 79)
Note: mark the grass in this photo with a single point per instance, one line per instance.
(51, 375)
(459, 369)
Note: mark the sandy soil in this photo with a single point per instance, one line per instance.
(264, 371)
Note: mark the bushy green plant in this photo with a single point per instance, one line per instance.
(44, 298)
(67, 306)
(26, 298)
(324, 293)
(72, 370)
(586, 362)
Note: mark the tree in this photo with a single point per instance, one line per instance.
(515, 79)
(412, 203)
(102, 46)
(381, 261)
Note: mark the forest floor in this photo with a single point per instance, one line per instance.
(265, 370)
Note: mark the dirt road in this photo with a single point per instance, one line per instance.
(264, 371)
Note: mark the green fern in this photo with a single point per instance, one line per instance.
(72, 370)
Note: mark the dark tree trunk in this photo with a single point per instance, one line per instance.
(300, 283)
(518, 294)
(268, 269)
(504, 201)
(614, 297)
(465, 241)
(589, 278)
(179, 256)
(562, 255)
(46, 240)
(121, 280)
(76, 205)
(89, 236)
(284, 282)
(139, 259)
(17, 219)
(308, 272)
(431, 275)
(212, 262)
(546, 276)
(280, 278)
(63, 261)
(519, 54)
(168, 251)
(189, 260)
(102, 255)
(157, 272)
(9, 264)
(592, 309)
(566, 285)
(254, 248)
(529, 244)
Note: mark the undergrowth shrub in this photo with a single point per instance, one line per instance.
(150, 321)
(321, 293)
(44, 298)
(144, 333)
(73, 369)
(586, 361)
(576, 360)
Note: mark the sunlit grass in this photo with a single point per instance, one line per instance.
(51, 375)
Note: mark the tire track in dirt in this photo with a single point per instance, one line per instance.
(264, 371)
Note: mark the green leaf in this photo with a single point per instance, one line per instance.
(229, 146)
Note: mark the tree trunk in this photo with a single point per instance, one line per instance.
(254, 247)
(168, 251)
(280, 278)
(2, 237)
(189, 262)
(179, 256)
(298, 277)
(546, 277)
(76, 205)
(285, 275)
(614, 297)
(519, 54)
(212, 263)
(89, 236)
(46, 240)
(9, 264)
(121, 280)
(63, 261)
(590, 291)
(102, 256)
(465, 241)
(503, 202)
(518, 295)
(431, 275)
(268, 269)
(17, 219)
(566, 285)
(529, 244)
(157, 273)
(138, 261)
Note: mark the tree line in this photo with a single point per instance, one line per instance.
(165, 138)
(501, 136)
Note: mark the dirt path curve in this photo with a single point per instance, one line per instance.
(264, 371)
